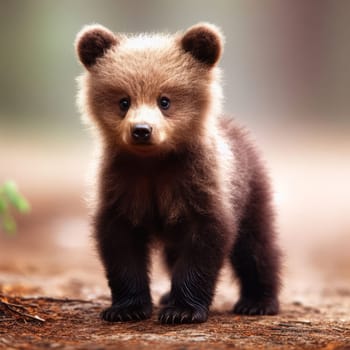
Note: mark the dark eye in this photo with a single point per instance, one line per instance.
(124, 104)
(164, 103)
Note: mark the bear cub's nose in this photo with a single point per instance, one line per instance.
(141, 133)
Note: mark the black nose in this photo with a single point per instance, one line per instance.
(141, 133)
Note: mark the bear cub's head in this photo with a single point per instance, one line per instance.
(150, 94)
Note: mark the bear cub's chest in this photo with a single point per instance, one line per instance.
(159, 195)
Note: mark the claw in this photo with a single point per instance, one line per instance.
(175, 318)
(136, 315)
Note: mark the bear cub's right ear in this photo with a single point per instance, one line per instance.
(92, 42)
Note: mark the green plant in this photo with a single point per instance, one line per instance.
(11, 199)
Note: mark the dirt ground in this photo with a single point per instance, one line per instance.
(42, 323)
(52, 286)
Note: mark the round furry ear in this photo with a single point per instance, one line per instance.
(92, 42)
(204, 42)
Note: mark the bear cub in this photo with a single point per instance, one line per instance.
(174, 170)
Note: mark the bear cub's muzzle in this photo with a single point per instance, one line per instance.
(141, 133)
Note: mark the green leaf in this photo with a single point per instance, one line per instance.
(10, 190)
(3, 205)
(9, 224)
(22, 205)
(9, 195)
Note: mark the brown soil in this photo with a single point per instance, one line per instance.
(42, 323)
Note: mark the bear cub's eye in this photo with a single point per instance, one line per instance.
(124, 104)
(164, 102)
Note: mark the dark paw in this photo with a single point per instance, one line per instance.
(251, 307)
(117, 313)
(177, 314)
(164, 299)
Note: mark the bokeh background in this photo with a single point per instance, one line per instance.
(286, 76)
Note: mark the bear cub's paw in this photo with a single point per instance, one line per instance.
(180, 314)
(247, 306)
(116, 313)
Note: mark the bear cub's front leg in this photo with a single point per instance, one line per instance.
(124, 252)
(194, 264)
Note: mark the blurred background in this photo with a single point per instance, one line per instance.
(286, 76)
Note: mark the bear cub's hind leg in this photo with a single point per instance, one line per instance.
(256, 258)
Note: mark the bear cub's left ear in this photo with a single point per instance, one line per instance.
(92, 42)
(204, 42)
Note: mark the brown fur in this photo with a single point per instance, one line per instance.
(203, 44)
(94, 44)
(196, 185)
